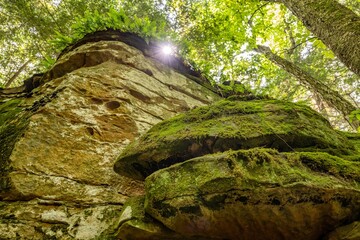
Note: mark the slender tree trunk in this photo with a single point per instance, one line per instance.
(331, 97)
(11, 80)
(336, 25)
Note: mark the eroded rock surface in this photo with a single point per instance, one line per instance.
(261, 169)
(59, 143)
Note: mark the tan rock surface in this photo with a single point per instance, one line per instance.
(101, 96)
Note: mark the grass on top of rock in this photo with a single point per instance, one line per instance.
(114, 19)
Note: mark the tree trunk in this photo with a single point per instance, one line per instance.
(336, 25)
(331, 97)
(11, 80)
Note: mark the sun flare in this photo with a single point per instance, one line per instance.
(167, 50)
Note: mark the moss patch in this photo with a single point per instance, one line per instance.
(251, 188)
(233, 125)
(13, 121)
(251, 169)
(331, 165)
(354, 138)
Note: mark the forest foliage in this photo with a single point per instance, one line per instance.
(218, 37)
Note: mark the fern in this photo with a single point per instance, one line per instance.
(113, 19)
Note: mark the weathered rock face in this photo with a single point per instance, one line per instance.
(261, 169)
(58, 144)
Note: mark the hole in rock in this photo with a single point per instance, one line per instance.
(112, 105)
(82, 90)
(148, 72)
(90, 131)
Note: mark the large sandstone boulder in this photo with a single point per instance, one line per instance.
(59, 140)
(230, 124)
(261, 169)
(256, 194)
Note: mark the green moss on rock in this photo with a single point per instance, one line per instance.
(250, 169)
(271, 194)
(233, 125)
(260, 169)
(331, 165)
(13, 121)
(354, 138)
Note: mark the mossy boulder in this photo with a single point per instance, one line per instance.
(256, 194)
(231, 124)
(260, 169)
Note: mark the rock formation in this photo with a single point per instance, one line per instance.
(59, 142)
(235, 168)
(260, 169)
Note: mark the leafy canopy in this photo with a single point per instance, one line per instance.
(216, 36)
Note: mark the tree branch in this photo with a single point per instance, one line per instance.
(11, 80)
(332, 97)
(258, 9)
(291, 36)
(52, 17)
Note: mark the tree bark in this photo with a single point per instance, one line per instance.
(334, 24)
(331, 97)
